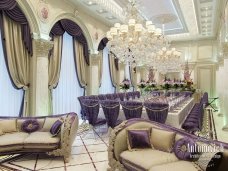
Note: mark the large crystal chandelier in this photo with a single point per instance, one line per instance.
(168, 60)
(136, 42)
(140, 43)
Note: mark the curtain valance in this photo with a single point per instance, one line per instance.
(74, 30)
(12, 10)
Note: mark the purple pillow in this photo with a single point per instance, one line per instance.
(56, 127)
(30, 125)
(138, 138)
(184, 147)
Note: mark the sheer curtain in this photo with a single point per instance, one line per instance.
(106, 82)
(68, 89)
(10, 98)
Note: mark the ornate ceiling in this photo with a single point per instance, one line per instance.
(182, 19)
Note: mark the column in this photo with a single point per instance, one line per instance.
(42, 93)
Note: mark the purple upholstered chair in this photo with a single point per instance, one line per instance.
(91, 108)
(109, 96)
(102, 97)
(111, 110)
(121, 96)
(137, 94)
(157, 111)
(132, 109)
(115, 96)
(82, 107)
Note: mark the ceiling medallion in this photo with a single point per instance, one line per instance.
(43, 11)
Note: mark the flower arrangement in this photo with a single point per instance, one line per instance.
(125, 84)
(151, 85)
(142, 84)
(167, 83)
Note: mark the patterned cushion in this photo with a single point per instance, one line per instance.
(138, 139)
(55, 129)
(181, 148)
(30, 125)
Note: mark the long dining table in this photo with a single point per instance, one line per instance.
(175, 117)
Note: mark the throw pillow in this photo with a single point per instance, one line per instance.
(4, 125)
(30, 125)
(48, 123)
(162, 139)
(138, 139)
(182, 148)
(210, 161)
(56, 127)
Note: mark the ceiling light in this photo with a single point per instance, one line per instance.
(89, 3)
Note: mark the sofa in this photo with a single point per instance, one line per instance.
(52, 135)
(122, 158)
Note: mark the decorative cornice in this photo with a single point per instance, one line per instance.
(43, 47)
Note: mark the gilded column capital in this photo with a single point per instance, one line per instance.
(43, 47)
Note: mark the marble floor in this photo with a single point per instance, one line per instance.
(89, 153)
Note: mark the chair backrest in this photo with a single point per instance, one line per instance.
(132, 109)
(101, 96)
(157, 111)
(111, 110)
(205, 98)
(137, 94)
(82, 108)
(121, 96)
(91, 109)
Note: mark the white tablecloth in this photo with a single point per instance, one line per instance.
(174, 118)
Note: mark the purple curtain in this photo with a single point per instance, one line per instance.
(74, 30)
(12, 10)
(102, 45)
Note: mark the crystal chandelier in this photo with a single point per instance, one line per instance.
(136, 42)
(168, 60)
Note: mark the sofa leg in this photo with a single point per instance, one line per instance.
(66, 159)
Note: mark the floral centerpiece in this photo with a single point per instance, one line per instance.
(167, 84)
(125, 84)
(176, 84)
(151, 85)
(142, 84)
(189, 86)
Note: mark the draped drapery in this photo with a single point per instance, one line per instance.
(54, 67)
(81, 55)
(113, 71)
(80, 63)
(75, 31)
(17, 58)
(68, 89)
(100, 67)
(10, 9)
(106, 81)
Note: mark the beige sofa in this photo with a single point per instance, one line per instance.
(120, 158)
(13, 140)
